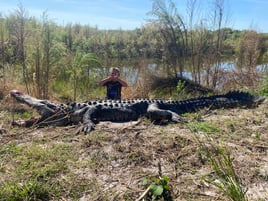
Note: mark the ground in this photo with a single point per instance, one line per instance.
(119, 161)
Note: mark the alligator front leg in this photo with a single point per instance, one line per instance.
(89, 119)
(156, 114)
(86, 127)
(86, 117)
(93, 114)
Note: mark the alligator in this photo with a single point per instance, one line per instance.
(89, 113)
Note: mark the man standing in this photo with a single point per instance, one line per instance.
(113, 84)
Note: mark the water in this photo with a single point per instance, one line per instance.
(134, 70)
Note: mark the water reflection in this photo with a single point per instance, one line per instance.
(134, 70)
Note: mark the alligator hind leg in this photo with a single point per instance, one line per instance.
(156, 114)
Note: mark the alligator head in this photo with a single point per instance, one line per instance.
(50, 113)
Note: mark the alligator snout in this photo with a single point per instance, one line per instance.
(15, 93)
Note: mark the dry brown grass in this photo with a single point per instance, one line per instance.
(114, 159)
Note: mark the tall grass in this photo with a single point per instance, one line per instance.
(224, 176)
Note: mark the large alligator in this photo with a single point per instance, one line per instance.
(91, 112)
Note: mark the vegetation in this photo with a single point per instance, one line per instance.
(179, 161)
(264, 87)
(35, 166)
(212, 155)
(225, 177)
(46, 57)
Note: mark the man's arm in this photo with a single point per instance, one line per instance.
(104, 81)
(122, 82)
(113, 79)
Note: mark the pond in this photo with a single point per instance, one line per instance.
(134, 70)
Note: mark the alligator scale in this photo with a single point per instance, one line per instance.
(90, 113)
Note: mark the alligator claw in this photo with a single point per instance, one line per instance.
(176, 119)
(86, 128)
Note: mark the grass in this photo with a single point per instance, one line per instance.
(225, 177)
(28, 171)
(111, 162)
(205, 127)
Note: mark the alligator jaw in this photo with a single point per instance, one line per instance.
(24, 98)
(42, 106)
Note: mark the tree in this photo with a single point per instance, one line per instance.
(174, 33)
(197, 35)
(248, 55)
(218, 20)
(18, 34)
(47, 45)
(79, 66)
(3, 50)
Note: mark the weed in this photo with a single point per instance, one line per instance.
(225, 177)
(194, 116)
(26, 115)
(203, 127)
(27, 170)
(159, 188)
(97, 159)
(180, 86)
(264, 87)
(29, 190)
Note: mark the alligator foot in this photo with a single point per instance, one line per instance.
(86, 128)
(175, 117)
(156, 114)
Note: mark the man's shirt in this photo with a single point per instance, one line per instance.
(113, 90)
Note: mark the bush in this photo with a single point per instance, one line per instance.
(264, 87)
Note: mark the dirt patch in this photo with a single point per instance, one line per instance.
(117, 157)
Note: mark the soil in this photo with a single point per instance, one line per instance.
(127, 153)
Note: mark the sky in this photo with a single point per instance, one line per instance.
(131, 14)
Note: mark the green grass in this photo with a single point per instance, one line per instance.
(226, 178)
(29, 172)
(205, 127)
(224, 175)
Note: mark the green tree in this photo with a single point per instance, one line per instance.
(173, 31)
(80, 65)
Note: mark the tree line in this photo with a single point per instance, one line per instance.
(46, 56)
